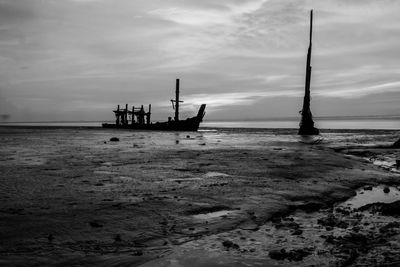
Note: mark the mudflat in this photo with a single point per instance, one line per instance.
(218, 197)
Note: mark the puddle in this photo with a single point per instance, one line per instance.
(211, 215)
(215, 174)
(386, 164)
(365, 197)
(383, 163)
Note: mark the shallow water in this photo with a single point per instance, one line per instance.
(388, 163)
(321, 123)
(383, 122)
(375, 195)
(212, 215)
(215, 174)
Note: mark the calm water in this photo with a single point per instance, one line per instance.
(389, 124)
(392, 123)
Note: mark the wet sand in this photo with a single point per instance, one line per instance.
(71, 197)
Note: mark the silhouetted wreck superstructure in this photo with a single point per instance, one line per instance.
(138, 118)
(307, 123)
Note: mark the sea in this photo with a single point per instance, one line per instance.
(378, 123)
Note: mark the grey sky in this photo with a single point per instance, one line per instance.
(77, 59)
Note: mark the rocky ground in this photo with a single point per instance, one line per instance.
(70, 196)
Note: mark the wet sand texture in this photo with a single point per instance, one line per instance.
(71, 197)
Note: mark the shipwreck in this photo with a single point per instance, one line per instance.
(307, 123)
(140, 119)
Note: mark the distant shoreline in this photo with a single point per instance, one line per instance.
(368, 117)
(275, 130)
(391, 122)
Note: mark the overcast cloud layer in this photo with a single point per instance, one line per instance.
(77, 59)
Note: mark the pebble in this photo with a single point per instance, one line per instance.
(229, 244)
(117, 238)
(386, 190)
(50, 237)
(95, 224)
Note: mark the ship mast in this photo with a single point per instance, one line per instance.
(175, 103)
(307, 123)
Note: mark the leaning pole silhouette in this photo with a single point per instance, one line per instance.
(307, 123)
(396, 144)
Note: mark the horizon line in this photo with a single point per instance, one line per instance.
(230, 120)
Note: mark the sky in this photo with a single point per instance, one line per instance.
(70, 60)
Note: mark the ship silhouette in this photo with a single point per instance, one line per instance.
(139, 119)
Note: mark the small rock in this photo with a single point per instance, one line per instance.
(388, 227)
(356, 238)
(229, 244)
(386, 190)
(292, 255)
(277, 254)
(368, 187)
(114, 139)
(95, 224)
(297, 232)
(342, 224)
(328, 221)
(342, 211)
(137, 253)
(330, 239)
(298, 254)
(50, 237)
(117, 238)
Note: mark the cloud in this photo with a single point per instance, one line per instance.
(227, 53)
(360, 92)
(194, 16)
(218, 100)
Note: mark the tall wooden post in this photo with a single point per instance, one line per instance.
(177, 100)
(307, 123)
(149, 114)
(117, 115)
(133, 115)
(141, 115)
(126, 114)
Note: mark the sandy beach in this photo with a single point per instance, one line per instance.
(217, 197)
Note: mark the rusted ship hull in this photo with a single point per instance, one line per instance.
(190, 124)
